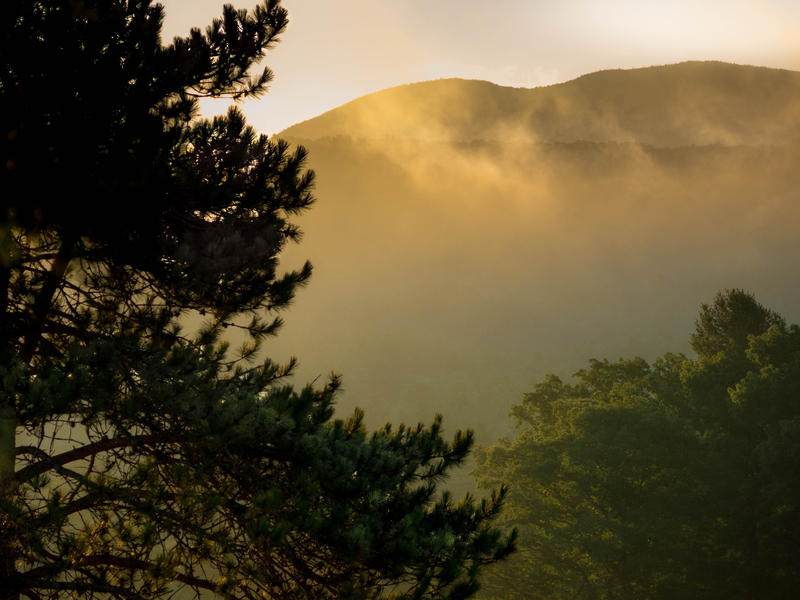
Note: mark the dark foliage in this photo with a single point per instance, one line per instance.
(139, 459)
(670, 480)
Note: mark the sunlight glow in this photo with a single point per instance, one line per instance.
(335, 52)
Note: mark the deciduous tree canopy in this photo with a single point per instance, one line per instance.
(138, 458)
(675, 479)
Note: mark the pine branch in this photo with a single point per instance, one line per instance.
(45, 296)
(31, 471)
(109, 560)
(85, 587)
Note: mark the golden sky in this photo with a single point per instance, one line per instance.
(337, 50)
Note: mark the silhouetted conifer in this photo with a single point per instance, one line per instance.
(138, 458)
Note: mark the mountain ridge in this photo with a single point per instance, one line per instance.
(688, 103)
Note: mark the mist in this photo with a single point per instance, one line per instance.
(462, 251)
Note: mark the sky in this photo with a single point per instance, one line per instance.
(337, 50)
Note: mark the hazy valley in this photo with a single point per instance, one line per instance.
(454, 267)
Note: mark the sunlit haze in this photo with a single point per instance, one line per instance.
(461, 227)
(466, 282)
(334, 52)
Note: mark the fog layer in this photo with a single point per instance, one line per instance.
(469, 238)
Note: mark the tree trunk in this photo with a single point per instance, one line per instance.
(8, 427)
(8, 572)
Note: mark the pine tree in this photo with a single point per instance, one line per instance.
(139, 458)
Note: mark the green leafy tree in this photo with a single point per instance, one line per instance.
(661, 481)
(139, 458)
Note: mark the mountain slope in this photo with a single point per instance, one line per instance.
(454, 270)
(684, 104)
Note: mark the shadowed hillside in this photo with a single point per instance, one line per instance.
(469, 238)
